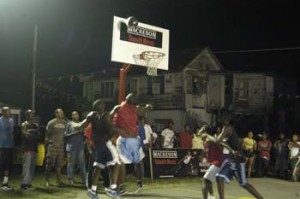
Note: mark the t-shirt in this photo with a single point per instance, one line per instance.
(264, 144)
(148, 133)
(294, 151)
(248, 143)
(214, 153)
(142, 134)
(234, 142)
(169, 137)
(197, 142)
(88, 133)
(55, 131)
(185, 140)
(6, 132)
(126, 118)
(101, 128)
(75, 142)
(30, 140)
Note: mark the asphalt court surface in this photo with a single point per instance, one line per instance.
(270, 188)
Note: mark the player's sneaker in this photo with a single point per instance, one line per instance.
(211, 197)
(139, 186)
(6, 187)
(113, 193)
(47, 183)
(92, 194)
(26, 187)
(61, 184)
(122, 190)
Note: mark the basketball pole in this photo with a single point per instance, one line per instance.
(122, 81)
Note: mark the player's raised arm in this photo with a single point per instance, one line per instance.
(114, 110)
(87, 120)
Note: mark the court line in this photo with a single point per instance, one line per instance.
(227, 196)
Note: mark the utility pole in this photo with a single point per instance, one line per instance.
(34, 51)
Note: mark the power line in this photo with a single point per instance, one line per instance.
(189, 50)
(257, 50)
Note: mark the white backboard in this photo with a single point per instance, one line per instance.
(130, 41)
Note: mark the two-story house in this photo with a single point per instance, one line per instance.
(194, 93)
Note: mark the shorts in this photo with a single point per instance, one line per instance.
(249, 154)
(230, 169)
(106, 155)
(211, 173)
(130, 150)
(56, 156)
(6, 158)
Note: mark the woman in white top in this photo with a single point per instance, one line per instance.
(294, 147)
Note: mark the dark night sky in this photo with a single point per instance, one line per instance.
(75, 35)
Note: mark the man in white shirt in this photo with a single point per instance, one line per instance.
(148, 133)
(168, 136)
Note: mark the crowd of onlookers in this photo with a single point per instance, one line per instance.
(263, 157)
(280, 157)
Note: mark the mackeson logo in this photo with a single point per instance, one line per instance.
(142, 32)
(164, 154)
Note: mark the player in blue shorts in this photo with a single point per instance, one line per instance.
(235, 164)
(105, 151)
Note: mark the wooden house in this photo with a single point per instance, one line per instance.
(194, 93)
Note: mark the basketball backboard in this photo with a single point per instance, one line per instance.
(132, 42)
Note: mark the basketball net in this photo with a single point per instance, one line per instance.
(150, 59)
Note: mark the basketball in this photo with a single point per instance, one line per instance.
(132, 21)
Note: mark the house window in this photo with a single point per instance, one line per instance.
(132, 86)
(198, 85)
(158, 86)
(149, 85)
(107, 89)
(244, 90)
(195, 85)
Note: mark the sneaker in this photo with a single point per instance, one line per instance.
(6, 187)
(30, 187)
(139, 186)
(211, 197)
(47, 183)
(71, 182)
(92, 194)
(60, 184)
(26, 187)
(112, 193)
(122, 190)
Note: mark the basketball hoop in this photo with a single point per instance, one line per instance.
(150, 59)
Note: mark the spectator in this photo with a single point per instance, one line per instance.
(6, 146)
(54, 141)
(30, 134)
(197, 142)
(168, 136)
(263, 148)
(185, 138)
(294, 147)
(75, 148)
(154, 137)
(148, 142)
(249, 146)
(281, 147)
